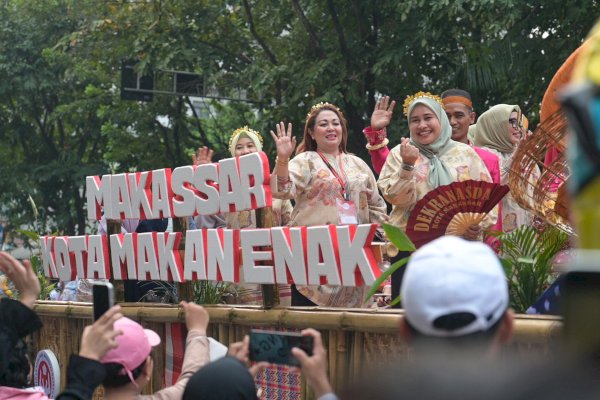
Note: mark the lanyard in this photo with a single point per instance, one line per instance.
(341, 181)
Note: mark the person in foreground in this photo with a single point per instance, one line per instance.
(455, 294)
(18, 320)
(230, 377)
(129, 365)
(456, 323)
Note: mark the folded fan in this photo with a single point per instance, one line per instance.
(451, 209)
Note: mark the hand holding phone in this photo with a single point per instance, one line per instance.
(104, 299)
(276, 347)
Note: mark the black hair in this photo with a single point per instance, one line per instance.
(116, 376)
(458, 92)
(16, 373)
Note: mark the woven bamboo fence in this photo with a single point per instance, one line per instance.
(356, 340)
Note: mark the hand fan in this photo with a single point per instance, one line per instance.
(451, 209)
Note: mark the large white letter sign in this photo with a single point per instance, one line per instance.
(78, 246)
(183, 194)
(249, 239)
(357, 262)
(146, 256)
(63, 259)
(230, 186)
(169, 259)
(288, 255)
(161, 193)
(321, 256)
(254, 177)
(222, 260)
(120, 204)
(47, 256)
(122, 254)
(195, 256)
(207, 195)
(97, 266)
(97, 194)
(140, 190)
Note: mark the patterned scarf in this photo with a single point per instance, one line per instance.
(439, 174)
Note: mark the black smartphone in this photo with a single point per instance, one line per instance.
(276, 347)
(104, 298)
(581, 311)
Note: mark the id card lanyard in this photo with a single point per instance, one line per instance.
(343, 182)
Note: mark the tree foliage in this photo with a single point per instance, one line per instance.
(61, 116)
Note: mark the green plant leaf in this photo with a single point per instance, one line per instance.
(32, 235)
(396, 301)
(526, 260)
(384, 275)
(398, 238)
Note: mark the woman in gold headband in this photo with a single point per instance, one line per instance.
(245, 141)
(499, 130)
(329, 186)
(425, 161)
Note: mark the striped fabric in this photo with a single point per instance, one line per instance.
(175, 334)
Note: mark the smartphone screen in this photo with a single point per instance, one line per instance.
(103, 296)
(276, 347)
(581, 310)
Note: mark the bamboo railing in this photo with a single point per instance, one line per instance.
(356, 339)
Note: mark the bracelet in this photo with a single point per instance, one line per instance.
(281, 162)
(377, 146)
(407, 167)
(283, 179)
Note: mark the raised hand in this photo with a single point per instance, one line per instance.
(100, 337)
(284, 140)
(241, 351)
(314, 368)
(382, 115)
(196, 317)
(408, 152)
(23, 276)
(203, 156)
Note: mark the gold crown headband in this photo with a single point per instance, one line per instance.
(318, 106)
(244, 129)
(410, 99)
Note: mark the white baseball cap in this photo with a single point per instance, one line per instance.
(452, 276)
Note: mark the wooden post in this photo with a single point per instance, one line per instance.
(113, 227)
(185, 290)
(264, 219)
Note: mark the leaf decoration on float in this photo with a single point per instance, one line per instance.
(451, 209)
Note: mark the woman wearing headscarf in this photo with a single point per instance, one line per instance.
(425, 161)
(499, 131)
(329, 186)
(245, 141)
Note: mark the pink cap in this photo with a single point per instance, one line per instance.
(133, 346)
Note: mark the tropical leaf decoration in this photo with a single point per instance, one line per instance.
(403, 243)
(526, 255)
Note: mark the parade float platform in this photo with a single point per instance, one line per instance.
(356, 339)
